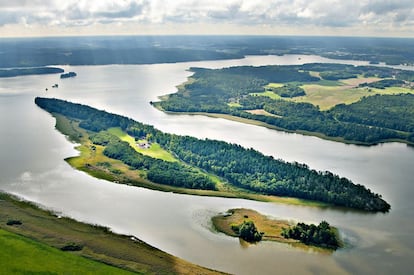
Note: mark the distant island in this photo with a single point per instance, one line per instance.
(68, 75)
(110, 149)
(362, 105)
(252, 227)
(29, 71)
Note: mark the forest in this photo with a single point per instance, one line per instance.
(245, 169)
(237, 90)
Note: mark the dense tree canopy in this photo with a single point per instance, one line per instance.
(322, 235)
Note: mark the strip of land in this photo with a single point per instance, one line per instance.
(34, 240)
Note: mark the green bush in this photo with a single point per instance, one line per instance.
(72, 247)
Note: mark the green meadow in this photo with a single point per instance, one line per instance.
(21, 255)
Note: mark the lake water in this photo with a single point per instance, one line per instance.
(32, 166)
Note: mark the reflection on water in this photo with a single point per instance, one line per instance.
(32, 166)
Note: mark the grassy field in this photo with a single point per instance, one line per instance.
(261, 112)
(42, 234)
(272, 228)
(326, 94)
(327, 97)
(274, 85)
(21, 255)
(234, 104)
(155, 151)
(270, 94)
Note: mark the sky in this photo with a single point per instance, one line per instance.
(382, 18)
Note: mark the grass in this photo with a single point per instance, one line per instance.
(261, 112)
(272, 228)
(274, 85)
(327, 97)
(234, 104)
(155, 151)
(38, 240)
(326, 93)
(270, 94)
(21, 255)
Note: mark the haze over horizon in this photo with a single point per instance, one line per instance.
(22, 18)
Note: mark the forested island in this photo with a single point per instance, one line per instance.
(123, 150)
(253, 227)
(29, 71)
(354, 104)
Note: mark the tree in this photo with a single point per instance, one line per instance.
(249, 232)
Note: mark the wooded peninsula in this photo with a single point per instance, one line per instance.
(122, 150)
(353, 104)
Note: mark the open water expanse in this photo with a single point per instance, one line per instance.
(32, 166)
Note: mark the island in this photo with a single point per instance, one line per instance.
(363, 105)
(68, 75)
(109, 146)
(253, 227)
(50, 244)
(29, 71)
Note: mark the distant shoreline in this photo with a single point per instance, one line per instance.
(29, 71)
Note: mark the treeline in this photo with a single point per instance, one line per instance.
(212, 91)
(387, 111)
(29, 71)
(247, 169)
(322, 235)
(342, 71)
(384, 83)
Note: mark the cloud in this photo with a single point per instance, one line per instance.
(271, 13)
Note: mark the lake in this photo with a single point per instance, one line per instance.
(32, 166)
